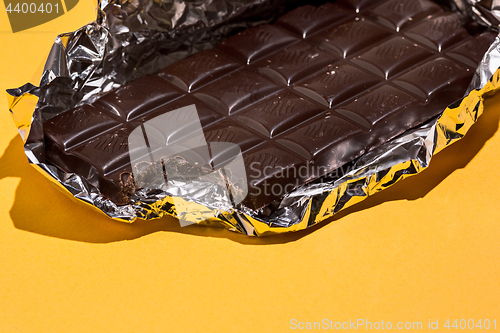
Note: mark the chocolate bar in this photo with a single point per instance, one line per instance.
(301, 97)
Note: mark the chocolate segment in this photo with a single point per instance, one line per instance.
(255, 43)
(432, 77)
(472, 51)
(295, 62)
(346, 39)
(336, 84)
(279, 113)
(391, 57)
(397, 14)
(236, 90)
(199, 69)
(310, 19)
(138, 98)
(76, 126)
(439, 32)
(300, 98)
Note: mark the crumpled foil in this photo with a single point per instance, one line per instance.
(131, 39)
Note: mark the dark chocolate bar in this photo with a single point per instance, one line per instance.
(301, 98)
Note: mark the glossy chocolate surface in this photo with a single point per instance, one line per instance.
(301, 98)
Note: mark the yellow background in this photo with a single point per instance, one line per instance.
(428, 248)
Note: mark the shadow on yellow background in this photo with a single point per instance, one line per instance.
(41, 208)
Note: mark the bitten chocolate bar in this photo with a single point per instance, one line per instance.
(313, 91)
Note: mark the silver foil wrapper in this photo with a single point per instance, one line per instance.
(131, 39)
